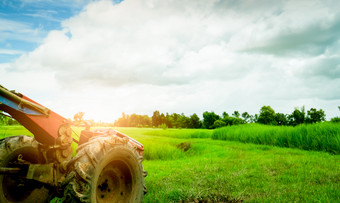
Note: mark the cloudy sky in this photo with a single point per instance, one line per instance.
(185, 56)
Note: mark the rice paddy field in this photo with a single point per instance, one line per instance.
(247, 163)
(316, 137)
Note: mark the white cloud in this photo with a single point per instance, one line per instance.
(12, 30)
(186, 56)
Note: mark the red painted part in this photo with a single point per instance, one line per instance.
(44, 128)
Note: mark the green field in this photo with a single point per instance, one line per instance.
(317, 137)
(204, 169)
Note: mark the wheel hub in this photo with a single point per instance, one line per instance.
(113, 184)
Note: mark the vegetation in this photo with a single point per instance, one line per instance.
(186, 165)
(317, 137)
(211, 120)
(336, 119)
(193, 165)
(181, 134)
(7, 120)
(267, 116)
(214, 170)
(6, 131)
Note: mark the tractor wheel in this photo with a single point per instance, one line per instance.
(106, 169)
(14, 188)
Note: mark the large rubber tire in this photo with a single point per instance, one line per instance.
(13, 188)
(106, 169)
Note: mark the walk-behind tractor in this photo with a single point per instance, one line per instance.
(107, 166)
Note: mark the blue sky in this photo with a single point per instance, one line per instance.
(25, 23)
(137, 56)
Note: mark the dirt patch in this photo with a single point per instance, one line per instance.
(185, 146)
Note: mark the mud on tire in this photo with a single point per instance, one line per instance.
(106, 169)
(15, 189)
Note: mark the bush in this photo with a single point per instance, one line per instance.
(335, 120)
(219, 123)
(233, 121)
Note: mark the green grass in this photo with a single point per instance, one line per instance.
(162, 144)
(180, 133)
(231, 171)
(316, 137)
(6, 131)
(235, 171)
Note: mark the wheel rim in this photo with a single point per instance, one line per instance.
(114, 183)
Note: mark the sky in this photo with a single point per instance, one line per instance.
(106, 57)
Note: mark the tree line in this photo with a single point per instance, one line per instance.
(161, 120)
(211, 120)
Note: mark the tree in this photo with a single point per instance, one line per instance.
(156, 119)
(183, 121)
(236, 114)
(254, 118)
(281, 119)
(225, 115)
(267, 116)
(297, 117)
(133, 121)
(246, 116)
(146, 121)
(168, 120)
(336, 119)
(122, 121)
(163, 119)
(176, 120)
(195, 121)
(209, 118)
(315, 116)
